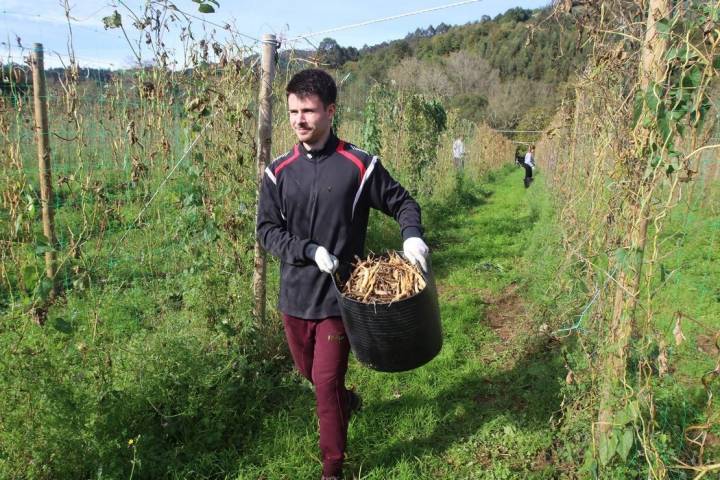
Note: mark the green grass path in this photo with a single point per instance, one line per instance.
(481, 409)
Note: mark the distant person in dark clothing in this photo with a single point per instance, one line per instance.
(529, 164)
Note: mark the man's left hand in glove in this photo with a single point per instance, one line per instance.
(416, 252)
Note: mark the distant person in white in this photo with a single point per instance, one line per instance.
(529, 164)
(458, 148)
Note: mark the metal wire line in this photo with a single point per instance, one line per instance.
(383, 19)
(162, 184)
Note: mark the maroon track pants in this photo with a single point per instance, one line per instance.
(320, 351)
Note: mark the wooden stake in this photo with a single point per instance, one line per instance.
(43, 147)
(264, 143)
(622, 323)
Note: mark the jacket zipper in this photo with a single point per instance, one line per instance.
(313, 197)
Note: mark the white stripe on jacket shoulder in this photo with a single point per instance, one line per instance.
(270, 175)
(368, 172)
(354, 147)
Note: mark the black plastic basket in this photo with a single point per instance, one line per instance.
(392, 337)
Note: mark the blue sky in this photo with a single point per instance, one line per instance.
(44, 21)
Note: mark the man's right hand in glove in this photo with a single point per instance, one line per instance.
(326, 261)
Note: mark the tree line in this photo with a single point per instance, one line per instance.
(508, 71)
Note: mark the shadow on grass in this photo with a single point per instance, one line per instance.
(500, 236)
(197, 428)
(482, 247)
(527, 394)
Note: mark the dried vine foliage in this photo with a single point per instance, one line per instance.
(621, 155)
(384, 279)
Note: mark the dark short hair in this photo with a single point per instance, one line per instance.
(313, 81)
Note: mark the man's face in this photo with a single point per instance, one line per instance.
(309, 118)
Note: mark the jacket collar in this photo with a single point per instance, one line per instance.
(329, 147)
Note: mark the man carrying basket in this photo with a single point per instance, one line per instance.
(313, 214)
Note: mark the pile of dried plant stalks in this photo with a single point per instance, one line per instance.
(384, 279)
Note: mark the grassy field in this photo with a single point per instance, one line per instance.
(159, 370)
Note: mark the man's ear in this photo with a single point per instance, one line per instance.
(331, 109)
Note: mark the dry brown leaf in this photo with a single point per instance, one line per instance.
(678, 333)
(663, 360)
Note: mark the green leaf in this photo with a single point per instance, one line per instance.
(189, 200)
(692, 78)
(670, 169)
(30, 277)
(62, 325)
(31, 205)
(655, 160)
(679, 112)
(210, 233)
(45, 287)
(680, 129)
(607, 448)
(590, 465)
(625, 443)
(663, 124)
(112, 21)
(663, 26)
(633, 409)
(198, 1)
(682, 53)
(651, 97)
(621, 258)
(698, 117)
(43, 248)
(621, 417)
(206, 8)
(227, 329)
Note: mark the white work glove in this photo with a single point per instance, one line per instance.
(326, 261)
(416, 252)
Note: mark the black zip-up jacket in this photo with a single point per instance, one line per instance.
(323, 198)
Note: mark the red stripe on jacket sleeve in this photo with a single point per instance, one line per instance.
(341, 150)
(285, 163)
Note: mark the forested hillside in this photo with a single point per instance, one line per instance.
(509, 71)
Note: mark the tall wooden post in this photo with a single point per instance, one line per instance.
(42, 136)
(622, 324)
(264, 143)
